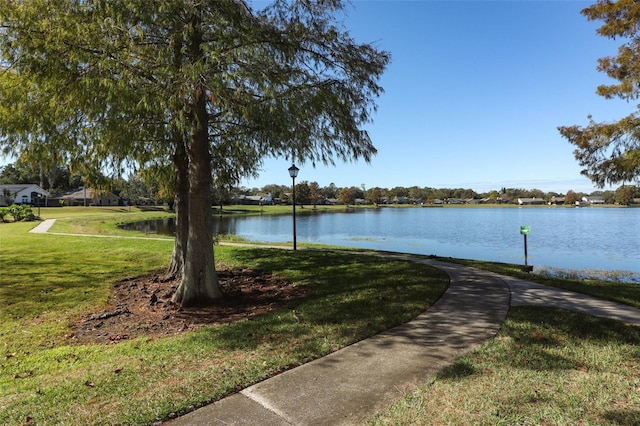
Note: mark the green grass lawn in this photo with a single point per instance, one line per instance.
(546, 366)
(48, 280)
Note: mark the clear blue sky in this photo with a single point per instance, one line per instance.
(473, 96)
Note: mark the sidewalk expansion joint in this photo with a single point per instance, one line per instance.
(264, 403)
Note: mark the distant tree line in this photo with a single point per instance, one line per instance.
(313, 193)
(149, 188)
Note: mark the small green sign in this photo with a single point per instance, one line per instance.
(524, 229)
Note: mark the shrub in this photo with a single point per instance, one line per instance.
(21, 212)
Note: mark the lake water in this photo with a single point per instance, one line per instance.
(566, 238)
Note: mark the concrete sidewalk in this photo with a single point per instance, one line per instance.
(43, 227)
(349, 386)
(526, 293)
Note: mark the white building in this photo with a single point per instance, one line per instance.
(531, 201)
(593, 199)
(27, 193)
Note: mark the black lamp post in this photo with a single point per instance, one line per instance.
(293, 172)
(39, 202)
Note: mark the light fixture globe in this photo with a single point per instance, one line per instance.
(293, 171)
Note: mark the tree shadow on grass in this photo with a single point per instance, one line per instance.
(533, 339)
(36, 285)
(623, 417)
(346, 295)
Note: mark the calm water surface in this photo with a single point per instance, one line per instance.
(567, 238)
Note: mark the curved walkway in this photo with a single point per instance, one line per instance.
(350, 385)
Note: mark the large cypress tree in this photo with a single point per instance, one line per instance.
(211, 87)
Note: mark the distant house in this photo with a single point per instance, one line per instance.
(531, 201)
(330, 201)
(88, 197)
(454, 201)
(22, 194)
(503, 199)
(257, 200)
(593, 199)
(557, 200)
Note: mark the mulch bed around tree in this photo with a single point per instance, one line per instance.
(142, 306)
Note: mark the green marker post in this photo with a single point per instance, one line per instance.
(524, 230)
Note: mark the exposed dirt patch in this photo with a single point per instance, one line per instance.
(142, 306)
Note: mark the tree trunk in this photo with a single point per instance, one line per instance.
(41, 173)
(199, 285)
(181, 207)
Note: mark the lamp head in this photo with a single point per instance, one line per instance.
(293, 171)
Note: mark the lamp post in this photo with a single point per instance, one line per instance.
(293, 172)
(39, 202)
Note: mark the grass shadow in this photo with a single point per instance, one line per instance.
(346, 296)
(623, 417)
(537, 338)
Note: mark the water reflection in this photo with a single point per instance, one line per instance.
(156, 226)
(167, 226)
